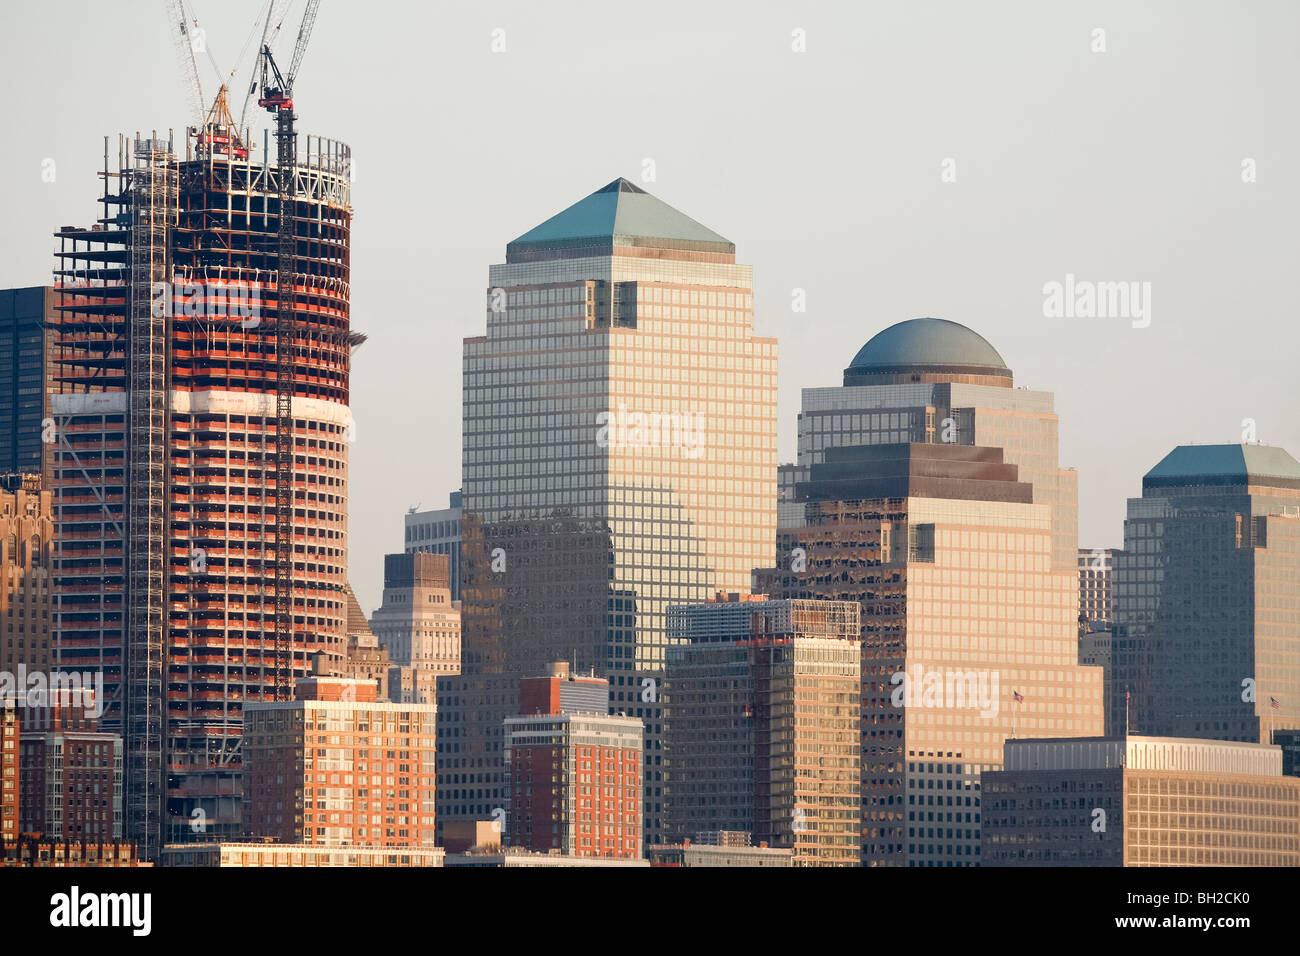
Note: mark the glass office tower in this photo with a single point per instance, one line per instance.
(619, 456)
(1207, 638)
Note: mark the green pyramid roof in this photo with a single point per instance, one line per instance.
(623, 213)
(1234, 463)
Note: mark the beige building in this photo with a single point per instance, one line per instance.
(1141, 801)
(968, 630)
(298, 854)
(619, 456)
(26, 576)
(763, 719)
(337, 766)
(934, 381)
(417, 624)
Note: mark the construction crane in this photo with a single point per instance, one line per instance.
(188, 39)
(277, 99)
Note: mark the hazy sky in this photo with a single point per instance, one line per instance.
(824, 167)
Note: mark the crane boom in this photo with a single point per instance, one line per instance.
(274, 10)
(185, 41)
(304, 34)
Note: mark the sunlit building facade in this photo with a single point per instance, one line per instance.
(763, 717)
(1141, 801)
(937, 382)
(619, 456)
(968, 630)
(1207, 618)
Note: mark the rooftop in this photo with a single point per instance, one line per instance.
(926, 346)
(1223, 464)
(621, 214)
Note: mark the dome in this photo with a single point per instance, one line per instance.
(929, 350)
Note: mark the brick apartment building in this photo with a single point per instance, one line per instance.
(337, 766)
(573, 770)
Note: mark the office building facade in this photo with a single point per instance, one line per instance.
(619, 456)
(1141, 801)
(1207, 639)
(763, 723)
(969, 630)
(27, 435)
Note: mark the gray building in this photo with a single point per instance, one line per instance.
(1095, 576)
(1207, 625)
(437, 532)
(26, 345)
(763, 720)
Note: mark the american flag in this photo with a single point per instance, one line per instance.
(1274, 703)
(1019, 697)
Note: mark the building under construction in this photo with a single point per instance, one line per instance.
(201, 407)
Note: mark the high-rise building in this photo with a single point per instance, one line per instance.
(969, 631)
(1207, 638)
(935, 381)
(763, 724)
(339, 766)
(1140, 801)
(1095, 575)
(438, 532)
(619, 456)
(26, 381)
(166, 408)
(417, 624)
(573, 770)
(26, 575)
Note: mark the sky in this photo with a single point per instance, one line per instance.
(890, 160)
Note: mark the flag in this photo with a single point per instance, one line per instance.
(1274, 703)
(1019, 697)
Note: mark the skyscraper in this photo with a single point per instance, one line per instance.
(166, 465)
(935, 381)
(968, 630)
(26, 575)
(764, 719)
(1207, 636)
(437, 532)
(26, 377)
(619, 456)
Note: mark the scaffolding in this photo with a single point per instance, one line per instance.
(153, 189)
(170, 446)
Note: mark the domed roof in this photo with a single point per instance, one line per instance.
(929, 344)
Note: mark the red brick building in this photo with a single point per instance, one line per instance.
(8, 773)
(338, 766)
(66, 781)
(574, 772)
